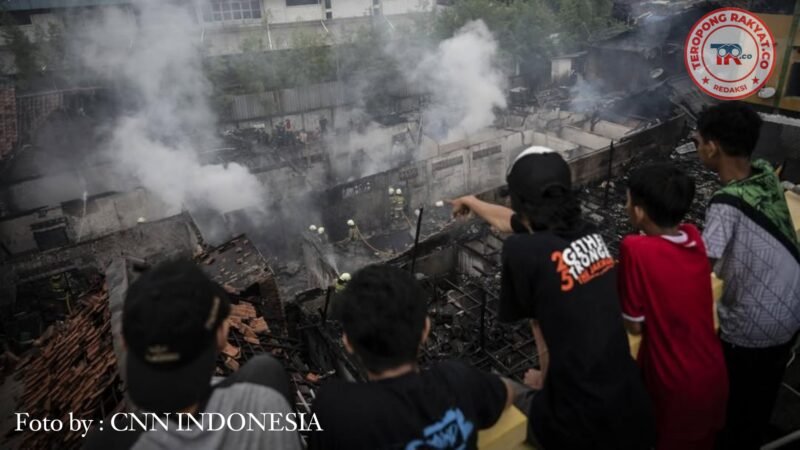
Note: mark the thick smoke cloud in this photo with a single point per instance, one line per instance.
(155, 61)
(463, 79)
(463, 83)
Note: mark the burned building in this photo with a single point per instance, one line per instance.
(373, 187)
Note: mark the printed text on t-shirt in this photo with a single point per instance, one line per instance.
(584, 260)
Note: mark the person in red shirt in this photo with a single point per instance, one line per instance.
(665, 290)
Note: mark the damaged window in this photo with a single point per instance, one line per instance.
(223, 10)
(305, 2)
(52, 238)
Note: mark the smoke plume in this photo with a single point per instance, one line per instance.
(155, 60)
(464, 81)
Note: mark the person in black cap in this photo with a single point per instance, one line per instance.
(558, 272)
(384, 316)
(174, 325)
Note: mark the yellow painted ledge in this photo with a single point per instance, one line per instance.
(510, 430)
(508, 433)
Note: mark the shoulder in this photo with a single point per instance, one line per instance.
(633, 241)
(334, 391)
(247, 395)
(764, 165)
(520, 246)
(109, 438)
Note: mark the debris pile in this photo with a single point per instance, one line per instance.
(73, 371)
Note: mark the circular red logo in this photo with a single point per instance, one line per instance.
(730, 53)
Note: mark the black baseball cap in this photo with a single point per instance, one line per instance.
(536, 171)
(169, 322)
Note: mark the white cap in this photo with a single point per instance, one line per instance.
(391, 191)
(344, 277)
(416, 211)
(440, 203)
(534, 150)
(321, 230)
(351, 223)
(312, 227)
(398, 191)
(141, 220)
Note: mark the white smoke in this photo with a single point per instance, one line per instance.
(464, 80)
(585, 96)
(156, 61)
(464, 83)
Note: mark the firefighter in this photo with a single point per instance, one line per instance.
(352, 232)
(398, 205)
(341, 282)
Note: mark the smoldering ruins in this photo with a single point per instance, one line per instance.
(131, 161)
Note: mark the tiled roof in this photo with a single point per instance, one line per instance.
(75, 371)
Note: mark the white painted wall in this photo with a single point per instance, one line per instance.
(351, 8)
(276, 11)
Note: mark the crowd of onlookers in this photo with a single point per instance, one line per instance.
(691, 386)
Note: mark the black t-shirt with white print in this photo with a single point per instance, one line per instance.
(593, 396)
(439, 408)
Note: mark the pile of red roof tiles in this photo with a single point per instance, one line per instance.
(74, 371)
(246, 321)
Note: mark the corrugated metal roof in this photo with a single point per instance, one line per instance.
(22, 5)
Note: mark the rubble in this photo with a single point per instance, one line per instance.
(73, 371)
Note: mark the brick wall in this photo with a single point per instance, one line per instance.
(8, 120)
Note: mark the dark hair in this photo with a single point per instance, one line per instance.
(735, 126)
(177, 288)
(383, 311)
(664, 191)
(558, 209)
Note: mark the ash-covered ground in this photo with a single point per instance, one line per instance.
(609, 214)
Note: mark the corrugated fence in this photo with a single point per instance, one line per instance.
(288, 101)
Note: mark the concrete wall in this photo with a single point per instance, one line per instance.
(605, 128)
(548, 140)
(104, 215)
(16, 234)
(153, 241)
(593, 166)
(54, 189)
(583, 138)
(8, 120)
(278, 12)
(351, 8)
(479, 168)
(391, 7)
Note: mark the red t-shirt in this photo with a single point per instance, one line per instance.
(664, 282)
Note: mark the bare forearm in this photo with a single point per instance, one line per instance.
(541, 348)
(497, 216)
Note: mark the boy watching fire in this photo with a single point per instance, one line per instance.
(383, 312)
(558, 272)
(665, 289)
(750, 236)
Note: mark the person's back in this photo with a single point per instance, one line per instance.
(174, 324)
(665, 288)
(558, 272)
(744, 219)
(441, 407)
(750, 235)
(384, 317)
(592, 395)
